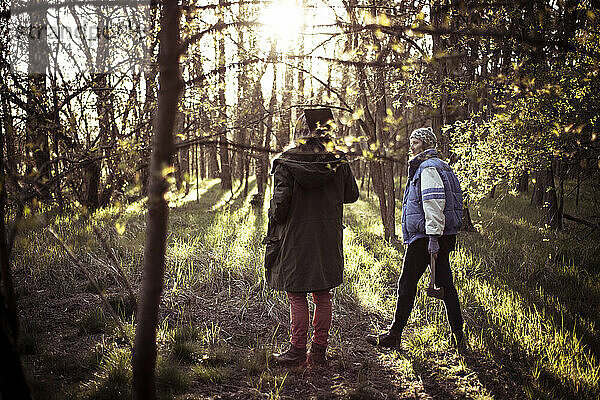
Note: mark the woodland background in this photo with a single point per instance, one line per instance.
(135, 156)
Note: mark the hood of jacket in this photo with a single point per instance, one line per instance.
(309, 168)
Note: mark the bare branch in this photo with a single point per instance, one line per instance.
(93, 281)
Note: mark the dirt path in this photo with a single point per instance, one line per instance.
(62, 364)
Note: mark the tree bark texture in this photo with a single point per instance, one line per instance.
(260, 139)
(37, 124)
(94, 169)
(170, 90)
(373, 126)
(551, 217)
(264, 156)
(179, 161)
(537, 195)
(436, 64)
(13, 384)
(523, 182)
(213, 162)
(9, 303)
(201, 160)
(223, 145)
(283, 134)
(467, 223)
(387, 166)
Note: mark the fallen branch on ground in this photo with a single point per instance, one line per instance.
(94, 283)
(115, 263)
(582, 221)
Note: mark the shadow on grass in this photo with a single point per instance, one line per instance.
(520, 367)
(502, 356)
(554, 298)
(561, 287)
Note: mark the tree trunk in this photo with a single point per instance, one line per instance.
(388, 184)
(213, 162)
(300, 92)
(13, 384)
(472, 97)
(226, 182)
(467, 223)
(92, 183)
(264, 157)
(6, 282)
(246, 174)
(376, 168)
(378, 186)
(102, 91)
(196, 157)
(578, 186)
(171, 87)
(551, 217)
(36, 124)
(523, 182)
(93, 170)
(437, 65)
(202, 161)
(537, 195)
(261, 167)
(223, 145)
(283, 134)
(150, 95)
(56, 128)
(485, 103)
(261, 140)
(184, 162)
(178, 163)
(7, 129)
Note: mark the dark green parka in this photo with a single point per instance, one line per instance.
(304, 241)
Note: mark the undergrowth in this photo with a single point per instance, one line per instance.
(530, 299)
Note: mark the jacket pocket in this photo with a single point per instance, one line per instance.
(272, 251)
(415, 224)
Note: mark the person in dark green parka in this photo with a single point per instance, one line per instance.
(304, 241)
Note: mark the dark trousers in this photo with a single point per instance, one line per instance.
(416, 260)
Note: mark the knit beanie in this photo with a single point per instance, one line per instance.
(425, 135)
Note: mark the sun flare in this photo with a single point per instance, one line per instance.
(283, 21)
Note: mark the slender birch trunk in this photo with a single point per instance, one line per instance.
(170, 90)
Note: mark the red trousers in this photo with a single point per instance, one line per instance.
(299, 318)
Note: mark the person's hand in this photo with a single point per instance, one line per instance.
(433, 246)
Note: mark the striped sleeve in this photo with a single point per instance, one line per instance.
(434, 201)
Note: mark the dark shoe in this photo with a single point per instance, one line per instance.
(390, 339)
(291, 358)
(316, 356)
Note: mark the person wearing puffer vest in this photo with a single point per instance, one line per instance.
(431, 218)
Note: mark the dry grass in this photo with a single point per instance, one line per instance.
(531, 301)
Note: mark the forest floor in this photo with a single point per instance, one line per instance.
(530, 298)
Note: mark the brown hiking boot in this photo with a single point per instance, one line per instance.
(291, 358)
(390, 339)
(316, 356)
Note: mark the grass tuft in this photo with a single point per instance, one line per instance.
(92, 322)
(170, 377)
(209, 374)
(113, 380)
